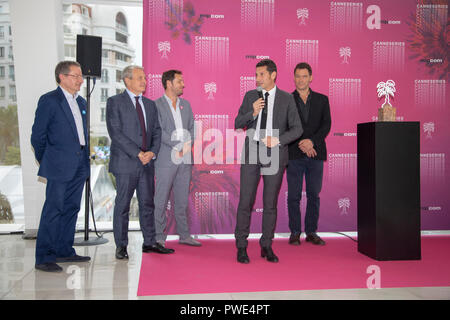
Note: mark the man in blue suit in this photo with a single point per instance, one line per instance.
(133, 126)
(59, 141)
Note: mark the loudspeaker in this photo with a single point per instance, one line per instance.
(89, 55)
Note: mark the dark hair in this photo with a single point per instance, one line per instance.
(64, 68)
(271, 66)
(169, 76)
(303, 65)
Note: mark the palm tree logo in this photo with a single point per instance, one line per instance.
(345, 52)
(428, 128)
(164, 46)
(386, 89)
(210, 88)
(344, 204)
(302, 14)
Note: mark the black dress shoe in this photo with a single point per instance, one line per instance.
(121, 253)
(315, 239)
(157, 248)
(242, 256)
(268, 254)
(49, 267)
(75, 258)
(294, 239)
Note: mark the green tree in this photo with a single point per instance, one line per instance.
(9, 130)
(12, 156)
(6, 214)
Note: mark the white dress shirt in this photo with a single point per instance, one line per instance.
(269, 114)
(72, 100)
(176, 113)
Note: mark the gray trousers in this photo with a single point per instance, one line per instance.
(250, 177)
(178, 179)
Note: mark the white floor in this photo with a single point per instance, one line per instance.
(106, 278)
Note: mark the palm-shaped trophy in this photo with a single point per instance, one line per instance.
(387, 111)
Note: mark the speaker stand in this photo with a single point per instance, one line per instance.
(85, 241)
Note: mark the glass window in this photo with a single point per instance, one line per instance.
(104, 95)
(105, 78)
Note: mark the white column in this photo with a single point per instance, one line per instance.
(38, 43)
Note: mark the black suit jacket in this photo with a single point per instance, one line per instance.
(317, 127)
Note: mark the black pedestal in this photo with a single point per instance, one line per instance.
(389, 190)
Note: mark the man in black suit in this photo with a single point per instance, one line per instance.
(306, 156)
(271, 124)
(132, 123)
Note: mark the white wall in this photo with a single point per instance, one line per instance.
(37, 34)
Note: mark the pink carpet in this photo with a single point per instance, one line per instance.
(212, 268)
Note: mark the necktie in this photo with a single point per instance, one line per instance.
(142, 122)
(264, 114)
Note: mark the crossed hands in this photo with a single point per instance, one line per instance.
(306, 145)
(145, 157)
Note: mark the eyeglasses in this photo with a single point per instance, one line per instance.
(77, 76)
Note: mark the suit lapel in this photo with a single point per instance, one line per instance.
(67, 111)
(184, 115)
(82, 106)
(276, 108)
(147, 117)
(131, 109)
(169, 112)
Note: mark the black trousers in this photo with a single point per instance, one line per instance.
(250, 177)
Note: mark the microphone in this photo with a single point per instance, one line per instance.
(260, 94)
(259, 89)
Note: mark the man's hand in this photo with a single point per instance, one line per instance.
(307, 146)
(270, 142)
(258, 105)
(145, 157)
(187, 147)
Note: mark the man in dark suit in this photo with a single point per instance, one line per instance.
(59, 140)
(132, 123)
(271, 124)
(306, 156)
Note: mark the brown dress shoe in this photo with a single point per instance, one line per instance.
(294, 239)
(315, 239)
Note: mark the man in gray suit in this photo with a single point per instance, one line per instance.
(174, 162)
(271, 124)
(133, 126)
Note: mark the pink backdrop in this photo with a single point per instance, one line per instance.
(351, 46)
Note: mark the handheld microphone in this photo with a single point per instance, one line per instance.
(259, 89)
(260, 94)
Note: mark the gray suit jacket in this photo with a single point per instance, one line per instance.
(167, 124)
(285, 119)
(125, 132)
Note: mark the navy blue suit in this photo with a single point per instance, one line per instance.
(126, 142)
(65, 164)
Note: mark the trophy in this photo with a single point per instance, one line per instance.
(387, 111)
